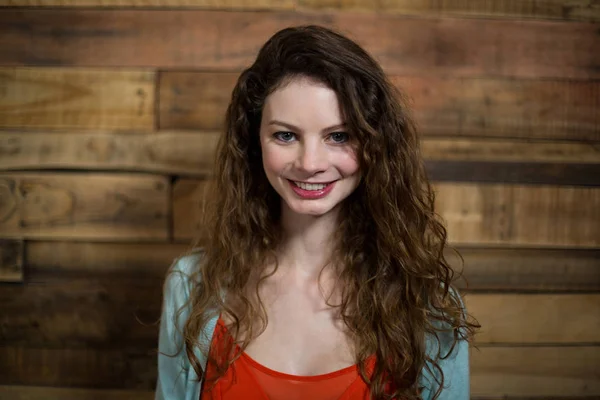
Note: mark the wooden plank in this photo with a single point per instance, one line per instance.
(536, 318)
(53, 393)
(520, 215)
(194, 39)
(500, 107)
(586, 10)
(52, 260)
(11, 260)
(211, 4)
(510, 269)
(449, 106)
(514, 172)
(535, 371)
(508, 150)
(165, 152)
(83, 206)
(70, 98)
(107, 368)
(82, 313)
(188, 195)
(480, 214)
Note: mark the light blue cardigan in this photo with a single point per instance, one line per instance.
(177, 379)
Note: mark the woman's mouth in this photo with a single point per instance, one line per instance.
(311, 191)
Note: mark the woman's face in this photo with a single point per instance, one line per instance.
(306, 151)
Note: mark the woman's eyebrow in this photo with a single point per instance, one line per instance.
(296, 129)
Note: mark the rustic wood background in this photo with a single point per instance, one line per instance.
(109, 113)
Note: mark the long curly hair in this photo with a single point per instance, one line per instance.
(396, 286)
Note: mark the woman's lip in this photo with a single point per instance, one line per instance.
(312, 194)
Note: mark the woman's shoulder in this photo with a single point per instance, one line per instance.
(182, 275)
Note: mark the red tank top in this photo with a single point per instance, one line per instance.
(247, 379)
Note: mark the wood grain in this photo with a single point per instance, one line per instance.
(53, 393)
(48, 261)
(535, 371)
(71, 98)
(82, 313)
(536, 318)
(586, 10)
(107, 368)
(11, 260)
(495, 214)
(165, 152)
(83, 206)
(211, 4)
(188, 202)
(530, 270)
(194, 39)
(479, 107)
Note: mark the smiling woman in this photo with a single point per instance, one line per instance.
(324, 276)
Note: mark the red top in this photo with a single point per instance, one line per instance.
(247, 379)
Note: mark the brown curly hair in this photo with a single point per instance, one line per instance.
(389, 251)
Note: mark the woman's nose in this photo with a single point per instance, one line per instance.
(313, 158)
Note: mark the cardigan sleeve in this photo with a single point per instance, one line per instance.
(176, 379)
(455, 366)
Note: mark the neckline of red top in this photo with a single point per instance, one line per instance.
(283, 375)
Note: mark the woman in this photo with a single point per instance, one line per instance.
(323, 275)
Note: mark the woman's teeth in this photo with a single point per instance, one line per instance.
(310, 186)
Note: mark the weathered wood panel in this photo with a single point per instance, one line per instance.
(482, 214)
(513, 269)
(193, 38)
(11, 260)
(535, 371)
(53, 260)
(520, 215)
(82, 313)
(106, 368)
(161, 152)
(70, 98)
(586, 10)
(53, 393)
(536, 318)
(83, 206)
(212, 4)
(493, 107)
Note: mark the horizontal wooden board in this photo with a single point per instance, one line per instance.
(526, 270)
(82, 313)
(586, 10)
(475, 214)
(536, 318)
(53, 393)
(479, 107)
(72, 98)
(195, 39)
(514, 172)
(109, 368)
(484, 269)
(191, 153)
(49, 261)
(546, 372)
(80, 206)
(212, 4)
(164, 152)
(115, 311)
(495, 214)
(11, 260)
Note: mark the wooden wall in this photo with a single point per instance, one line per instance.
(109, 113)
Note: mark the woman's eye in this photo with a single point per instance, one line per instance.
(284, 136)
(339, 137)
